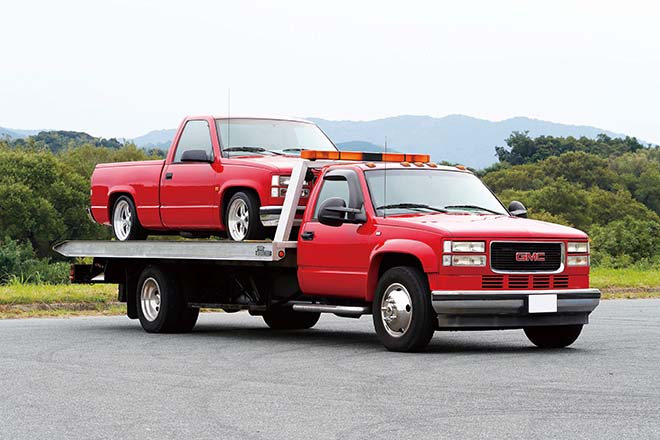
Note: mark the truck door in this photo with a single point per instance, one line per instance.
(334, 260)
(186, 186)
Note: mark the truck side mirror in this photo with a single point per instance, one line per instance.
(333, 212)
(517, 209)
(196, 156)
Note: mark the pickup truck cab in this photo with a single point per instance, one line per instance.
(420, 247)
(220, 175)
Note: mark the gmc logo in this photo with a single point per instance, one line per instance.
(530, 256)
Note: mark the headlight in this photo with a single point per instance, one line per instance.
(280, 180)
(581, 247)
(465, 246)
(464, 260)
(578, 260)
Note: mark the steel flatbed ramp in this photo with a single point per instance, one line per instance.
(177, 250)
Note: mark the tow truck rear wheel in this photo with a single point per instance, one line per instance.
(161, 305)
(287, 319)
(556, 336)
(403, 316)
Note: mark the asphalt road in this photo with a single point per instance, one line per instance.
(232, 377)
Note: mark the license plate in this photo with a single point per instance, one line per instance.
(542, 303)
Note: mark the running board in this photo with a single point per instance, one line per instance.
(347, 311)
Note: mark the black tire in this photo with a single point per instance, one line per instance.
(171, 314)
(421, 324)
(287, 319)
(125, 228)
(556, 336)
(254, 229)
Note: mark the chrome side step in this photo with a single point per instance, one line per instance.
(348, 311)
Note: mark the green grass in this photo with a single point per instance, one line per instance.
(57, 293)
(628, 278)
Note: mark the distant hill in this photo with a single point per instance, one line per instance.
(156, 139)
(455, 138)
(12, 133)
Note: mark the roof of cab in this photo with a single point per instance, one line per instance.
(256, 117)
(366, 166)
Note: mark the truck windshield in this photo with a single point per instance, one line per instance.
(248, 136)
(429, 191)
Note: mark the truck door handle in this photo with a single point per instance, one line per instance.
(168, 176)
(307, 235)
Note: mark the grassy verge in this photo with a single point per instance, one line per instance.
(30, 300)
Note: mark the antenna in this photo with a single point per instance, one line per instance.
(229, 117)
(385, 182)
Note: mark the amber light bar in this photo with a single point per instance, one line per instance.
(364, 156)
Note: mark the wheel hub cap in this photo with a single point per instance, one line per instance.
(396, 310)
(238, 220)
(150, 299)
(122, 220)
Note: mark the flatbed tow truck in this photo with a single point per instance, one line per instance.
(419, 246)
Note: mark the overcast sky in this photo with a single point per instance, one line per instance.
(122, 68)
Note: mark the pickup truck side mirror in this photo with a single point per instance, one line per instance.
(517, 209)
(333, 212)
(196, 156)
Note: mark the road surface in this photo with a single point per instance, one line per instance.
(104, 378)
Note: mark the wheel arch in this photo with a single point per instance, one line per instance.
(115, 193)
(400, 253)
(228, 193)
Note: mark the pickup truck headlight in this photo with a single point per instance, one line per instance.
(578, 260)
(279, 185)
(581, 247)
(465, 246)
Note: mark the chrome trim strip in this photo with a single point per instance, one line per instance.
(561, 267)
(588, 291)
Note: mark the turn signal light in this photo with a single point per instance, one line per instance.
(364, 156)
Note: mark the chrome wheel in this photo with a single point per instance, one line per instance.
(396, 310)
(122, 220)
(238, 219)
(150, 299)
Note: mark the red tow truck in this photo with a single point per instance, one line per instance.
(420, 247)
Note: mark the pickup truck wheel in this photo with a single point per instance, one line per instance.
(402, 312)
(161, 306)
(125, 223)
(290, 320)
(242, 219)
(557, 336)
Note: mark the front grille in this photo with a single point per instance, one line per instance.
(503, 257)
(523, 282)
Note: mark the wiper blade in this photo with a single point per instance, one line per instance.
(412, 206)
(473, 207)
(251, 150)
(293, 150)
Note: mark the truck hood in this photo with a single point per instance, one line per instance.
(280, 164)
(484, 226)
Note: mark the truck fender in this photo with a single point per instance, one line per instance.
(120, 189)
(418, 250)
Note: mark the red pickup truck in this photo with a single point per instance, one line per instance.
(419, 246)
(220, 174)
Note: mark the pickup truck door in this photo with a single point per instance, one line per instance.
(187, 193)
(334, 260)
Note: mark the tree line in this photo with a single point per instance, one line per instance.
(610, 188)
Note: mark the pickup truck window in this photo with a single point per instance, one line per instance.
(276, 136)
(196, 136)
(439, 190)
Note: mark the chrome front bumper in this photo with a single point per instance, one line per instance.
(270, 215)
(493, 309)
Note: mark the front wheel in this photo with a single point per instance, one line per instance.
(402, 312)
(242, 220)
(557, 336)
